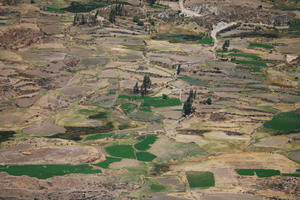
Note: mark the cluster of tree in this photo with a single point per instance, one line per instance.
(138, 21)
(115, 11)
(143, 90)
(188, 105)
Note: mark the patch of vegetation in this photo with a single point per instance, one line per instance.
(266, 172)
(159, 169)
(77, 7)
(145, 156)
(98, 136)
(291, 174)
(75, 133)
(259, 172)
(265, 46)
(250, 62)
(255, 57)
(5, 135)
(111, 93)
(193, 81)
(105, 164)
(50, 9)
(251, 69)
(128, 107)
(200, 179)
(245, 172)
(160, 102)
(145, 144)
(157, 187)
(122, 151)
(285, 121)
(145, 109)
(47, 171)
(207, 40)
(100, 115)
(178, 38)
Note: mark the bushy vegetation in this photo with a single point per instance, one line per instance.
(285, 121)
(122, 151)
(265, 46)
(5, 135)
(200, 179)
(108, 160)
(147, 140)
(145, 156)
(47, 171)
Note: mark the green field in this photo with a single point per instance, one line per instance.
(200, 179)
(265, 46)
(251, 69)
(160, 102)
(98, 136)
(250, 62)
(245, 172)
(105, 164)
(122, 151)
(193, 81)
(244, 55)
(47, 171)
(145, 156)
(207, 40)
(100, 115)
(147, 140)
(285, 121)
(259, 172)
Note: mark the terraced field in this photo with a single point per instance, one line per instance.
(150, 100)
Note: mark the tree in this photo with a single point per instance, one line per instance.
(209, 101)
(147, 81)
(136, 88)
(188, 105)
(143, 90)
(226, 45)
(178, 69)
(145, 85)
